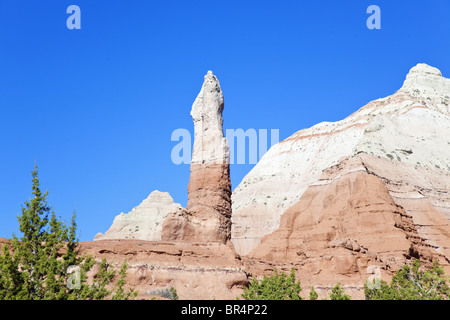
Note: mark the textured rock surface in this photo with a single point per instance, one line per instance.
(196, 271)
(144, 221)
(410, 127)
(349, 221)
(208, 213)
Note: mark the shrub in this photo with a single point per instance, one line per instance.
(337, 293)
(313, 294)
(275, 287)
(168, 293)
(412, 283)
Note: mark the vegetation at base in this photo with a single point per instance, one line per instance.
(313, 294)
(412, 283)
(275, 287)
(45, 263)
(337, 293)
(168, 293)
(283, 287)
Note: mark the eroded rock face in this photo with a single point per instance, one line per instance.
(144, 221)
(208, 213)
(353, 219)
(410, 127)
(202, 271)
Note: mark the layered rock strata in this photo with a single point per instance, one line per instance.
(352, 221)
(409, 128)
(144, 221)
(208, 213)
(203, 271)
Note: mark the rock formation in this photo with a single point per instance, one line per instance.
(333, 201)
(208, 213)
(410, 129)
(351, 220)
(144, 221)
(195, 270)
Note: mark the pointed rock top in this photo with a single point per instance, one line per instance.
(423, 68)
(210, 145)
(210, 99)
(426, 81)
(211, 82)
(159, 196)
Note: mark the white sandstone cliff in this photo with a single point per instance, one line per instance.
(411, 127)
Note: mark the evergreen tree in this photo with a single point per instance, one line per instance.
(337, 293)
(313, 294)
(413, 283)
(40, 265)
(275, 287)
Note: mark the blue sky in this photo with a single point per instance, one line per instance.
(96, 107)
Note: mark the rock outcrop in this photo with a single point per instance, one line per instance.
(409, 128)
(207, 217)
(350, 220)
(144, 221)
(203, 271)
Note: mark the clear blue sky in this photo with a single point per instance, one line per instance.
(95, 108)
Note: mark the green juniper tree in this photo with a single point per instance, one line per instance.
(313, 295)
(413, 283)
(337, 293)
(275, 287)
(36, 266)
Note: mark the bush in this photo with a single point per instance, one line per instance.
(337, 293)
(313, 294)
(412, 283)
(168, 293)
(275, 287)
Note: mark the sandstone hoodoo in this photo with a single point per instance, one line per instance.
(207, 217)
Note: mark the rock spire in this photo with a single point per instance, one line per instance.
(208, 213)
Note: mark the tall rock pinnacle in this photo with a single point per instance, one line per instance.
(208, 213)
(210, 146)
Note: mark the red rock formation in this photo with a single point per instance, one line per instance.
(343, 224)
(202, 271)
(410, 127)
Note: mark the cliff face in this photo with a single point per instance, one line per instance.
(208, 213)
(195, 270)
(352, 220)
(409, 128)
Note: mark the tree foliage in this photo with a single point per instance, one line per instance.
(275, 287)
(413, 283)
(337, 293)
(313, 294)
(45, 263)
